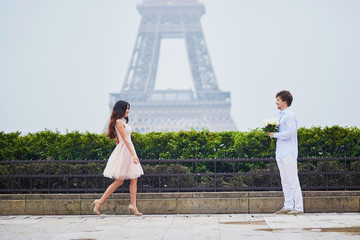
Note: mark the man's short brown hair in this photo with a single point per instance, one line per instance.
(285, 97)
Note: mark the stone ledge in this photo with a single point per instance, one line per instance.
(176, 203)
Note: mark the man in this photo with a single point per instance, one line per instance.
(286, 155)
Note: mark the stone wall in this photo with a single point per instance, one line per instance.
(176, 203)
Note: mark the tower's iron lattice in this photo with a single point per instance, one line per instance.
(173, 110)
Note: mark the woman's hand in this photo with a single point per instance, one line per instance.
(136, 160)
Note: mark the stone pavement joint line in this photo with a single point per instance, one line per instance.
(327, 226)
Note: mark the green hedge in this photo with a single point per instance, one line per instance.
(332, 141)
(47, 145)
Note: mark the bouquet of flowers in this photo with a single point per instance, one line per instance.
(271, 125)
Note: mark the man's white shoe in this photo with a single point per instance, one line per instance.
(295, 212)
(283, 211)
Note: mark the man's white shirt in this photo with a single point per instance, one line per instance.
(287, 136)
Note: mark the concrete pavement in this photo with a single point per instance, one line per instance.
(327, 226)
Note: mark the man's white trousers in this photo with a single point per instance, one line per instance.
(290, 182)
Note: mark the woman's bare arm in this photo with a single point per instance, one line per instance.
(121, 128)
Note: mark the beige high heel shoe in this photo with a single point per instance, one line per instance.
(135, 210)
(96, 207)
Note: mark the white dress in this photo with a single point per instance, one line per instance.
(120, 164)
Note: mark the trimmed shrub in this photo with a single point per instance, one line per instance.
(313, 142)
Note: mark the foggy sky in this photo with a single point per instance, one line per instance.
(60, 60)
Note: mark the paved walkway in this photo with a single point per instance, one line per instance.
(153, 227)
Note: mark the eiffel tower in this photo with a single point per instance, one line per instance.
(205, 107)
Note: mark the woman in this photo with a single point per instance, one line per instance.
(123, 162)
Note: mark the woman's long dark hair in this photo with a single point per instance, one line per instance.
(118, 112)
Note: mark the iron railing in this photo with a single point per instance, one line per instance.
(180, 175)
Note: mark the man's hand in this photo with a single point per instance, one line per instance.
(271, 134)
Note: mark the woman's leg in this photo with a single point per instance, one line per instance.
(133, 191)
(117, 183)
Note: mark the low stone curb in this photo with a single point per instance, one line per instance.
(176, 203)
